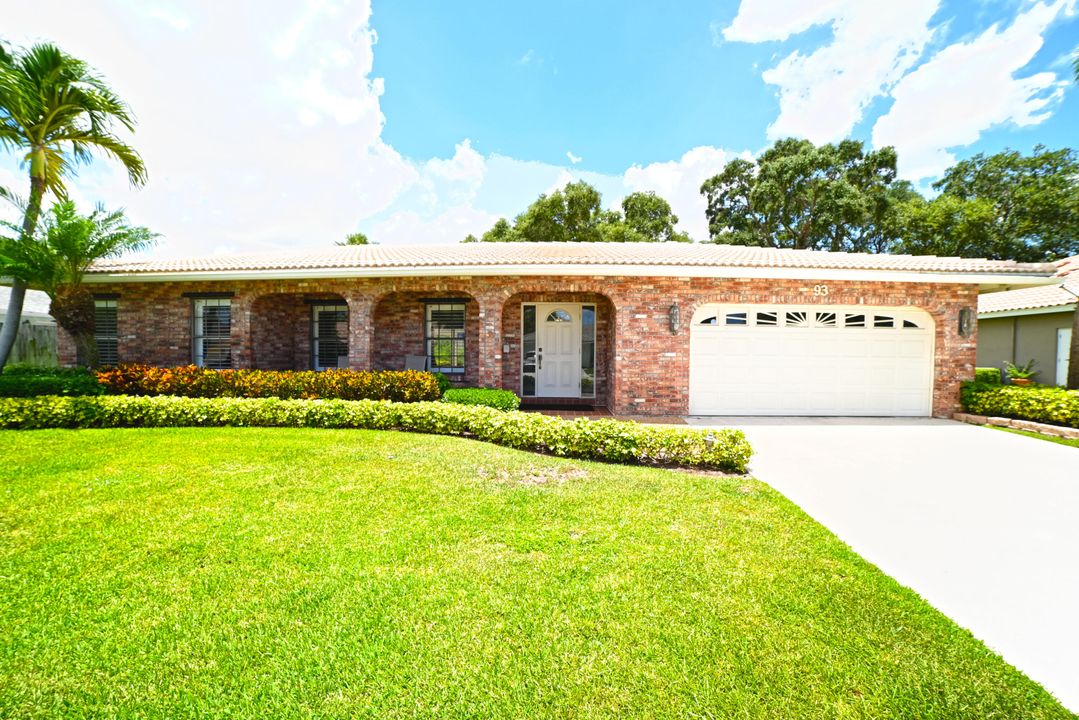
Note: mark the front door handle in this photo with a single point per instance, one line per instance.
(539, 358)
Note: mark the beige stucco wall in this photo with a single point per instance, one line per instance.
(1022, 338)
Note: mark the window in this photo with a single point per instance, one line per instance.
(588, 351)
(737, 318)
(528, 351)
(767, 319)
(329, 336)
(855, 321)
(211, 336)
(559, 316)
(446, 336)
(105, 332)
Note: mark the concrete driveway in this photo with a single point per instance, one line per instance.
(983, 524)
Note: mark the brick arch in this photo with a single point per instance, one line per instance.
(510, 377)
(280, 329)
(398, 322)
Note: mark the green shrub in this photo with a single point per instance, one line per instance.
(607, 440)
(1039, 403)
(194, 381)
(491, 397)
(988, 376)
(24, 381)
(444, 382)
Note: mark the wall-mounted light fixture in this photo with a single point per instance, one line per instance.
(675, 315)
(966, 322)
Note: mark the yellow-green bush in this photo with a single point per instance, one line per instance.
(607, 440)
(1038, 403)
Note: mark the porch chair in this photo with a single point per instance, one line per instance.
(415, 362)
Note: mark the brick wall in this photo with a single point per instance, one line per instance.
(643, 366)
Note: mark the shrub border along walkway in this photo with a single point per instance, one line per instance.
(616, 441)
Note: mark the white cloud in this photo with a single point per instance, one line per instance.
(449, 226)
(251, 141)
(574, 159)
(824, 94)
(679, 182)
(967, 88)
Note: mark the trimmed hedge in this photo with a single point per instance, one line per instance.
(194, 381)
(606, 440)
(22, 381)
(1039, 403)
(988, 376)
(491, 397)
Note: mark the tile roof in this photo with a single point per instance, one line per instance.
(494, 255)
(1036, 297)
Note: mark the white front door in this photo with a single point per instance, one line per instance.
(558, 350)
(1064, 348)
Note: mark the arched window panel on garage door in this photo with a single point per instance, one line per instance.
(810, 317)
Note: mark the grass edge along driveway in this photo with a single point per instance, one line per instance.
(296, 573)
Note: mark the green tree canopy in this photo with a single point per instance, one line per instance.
(62, 250)
(798, 195)
(1006, 206)
(575, 214)
(356, 238)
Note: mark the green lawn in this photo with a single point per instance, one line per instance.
(262, 573)
(1039, 436)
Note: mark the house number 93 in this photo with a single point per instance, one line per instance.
(820, 291)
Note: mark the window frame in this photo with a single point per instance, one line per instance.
(456, 336)
(199, 336)
(316, 340)
(107, 303)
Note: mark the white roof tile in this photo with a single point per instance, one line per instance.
(1034, 298)
(551, 254)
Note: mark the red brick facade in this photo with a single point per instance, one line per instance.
(642, 368)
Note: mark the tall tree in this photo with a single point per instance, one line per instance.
(650, 216)
(575, 214)
(57, 112)
(799, 195)
(1027, 206)
(55, 260)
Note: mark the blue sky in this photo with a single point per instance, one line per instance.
(285, 123)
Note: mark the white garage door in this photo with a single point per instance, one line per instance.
(793, 360)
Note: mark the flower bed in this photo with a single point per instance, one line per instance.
(1044, 404)
(194, 381)
(606, 440)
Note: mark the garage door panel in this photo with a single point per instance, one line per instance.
(823, 369)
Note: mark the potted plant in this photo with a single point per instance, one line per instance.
(1021, 374)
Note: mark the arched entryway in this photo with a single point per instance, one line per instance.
(296, 331)
(558, 347)
(436, 330)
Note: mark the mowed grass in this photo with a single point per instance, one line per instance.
(255, 573)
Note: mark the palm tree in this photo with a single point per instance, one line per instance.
(55, 260)
(57, 111)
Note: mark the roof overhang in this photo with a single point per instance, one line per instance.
(988, 282)
(1050, 310)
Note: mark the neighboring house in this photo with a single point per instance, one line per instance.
(36, 342)
(1035, 323)
(641, 328)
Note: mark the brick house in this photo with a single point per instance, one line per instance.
(644, 329)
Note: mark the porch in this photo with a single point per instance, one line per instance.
(554, 349)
